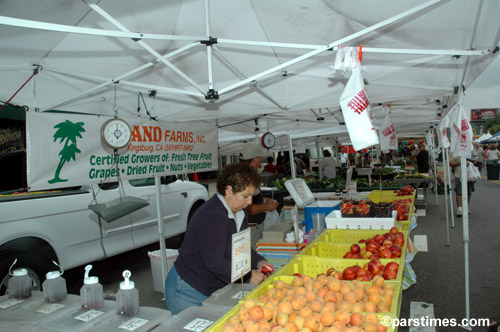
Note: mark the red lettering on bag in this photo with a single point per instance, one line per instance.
(359, 103)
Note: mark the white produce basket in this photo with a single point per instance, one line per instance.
(335, 221)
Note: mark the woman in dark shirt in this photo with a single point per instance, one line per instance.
(422, 159)
(204, 261)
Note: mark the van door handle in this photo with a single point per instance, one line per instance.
(185, 194)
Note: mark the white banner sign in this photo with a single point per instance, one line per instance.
(356, 111)
(65, 150)
(387, 135)
(461, 133)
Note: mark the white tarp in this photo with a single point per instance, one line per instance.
(269, 62)
(65, 150)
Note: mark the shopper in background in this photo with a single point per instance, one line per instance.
(478, 156)
(282, 169)
(204, 261)
(492, 155)
(422, 159)
(270, 166)
(327, 165)
(262, 210)
(357, 159)
(344, 159)
(300, 165)
(456, 169)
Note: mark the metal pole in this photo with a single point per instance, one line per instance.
(445, 180)
(447, 156)
(161, 228)
(320, 172)
(290, 156)
(434, 162)
(465, 222)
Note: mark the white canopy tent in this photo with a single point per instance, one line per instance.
(244, 64)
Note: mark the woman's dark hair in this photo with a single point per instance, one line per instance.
(238, 176)
(270, 160)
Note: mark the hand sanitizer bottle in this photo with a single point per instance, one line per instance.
(91, 293)
(54, 287)
(127, 298)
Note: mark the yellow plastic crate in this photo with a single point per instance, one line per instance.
(334, 250)
(313, 266)
(351, 235)
(217, 326)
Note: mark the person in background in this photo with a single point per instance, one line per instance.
(456, 170)
(282, 169)
(357, 159)
(261, 209)
(477, 156)
(270, 166)
(300, 165)
(492, 155)
(366, 161)
(327, 165)
(422, 159)
(204, 262)
(344, 159)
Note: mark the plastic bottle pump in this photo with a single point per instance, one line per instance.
(127, 298)
(54, 286)
(19, 286)
(91, 293)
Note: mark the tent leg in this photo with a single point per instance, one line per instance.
(465, 221)
(161, 228)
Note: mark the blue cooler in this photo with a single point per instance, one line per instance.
(304, 198)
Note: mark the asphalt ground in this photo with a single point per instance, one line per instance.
(439, 271)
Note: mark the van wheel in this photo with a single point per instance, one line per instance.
(37, 260)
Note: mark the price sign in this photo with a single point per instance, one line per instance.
(240, 254)
(198, 325)
(10, 303)
(295, 221)
(89, 315)
(133, 324)
(49, 308)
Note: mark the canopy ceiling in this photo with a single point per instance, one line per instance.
(267, 62)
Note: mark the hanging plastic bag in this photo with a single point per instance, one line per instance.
(357, 114)
(473, 173)
(387, 133)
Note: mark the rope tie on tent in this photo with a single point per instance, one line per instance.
(35, 72)
(360, 54)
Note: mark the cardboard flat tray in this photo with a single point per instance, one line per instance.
(334, 220)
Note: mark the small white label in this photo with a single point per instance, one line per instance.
(198, 325)
(89, 315)
(49, 308)
(133, 324)
(240, 294)
(10, 303)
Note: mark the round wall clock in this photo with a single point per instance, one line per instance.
(268, 140)
(116, 133)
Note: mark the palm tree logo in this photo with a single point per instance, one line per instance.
(66, 132)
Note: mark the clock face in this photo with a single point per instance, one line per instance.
(268, 140)
(116, 133)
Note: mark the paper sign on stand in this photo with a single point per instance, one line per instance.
(240, 255)
(351, 186)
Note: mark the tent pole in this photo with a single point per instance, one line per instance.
(148, 48)
(161, 228)
(333, 44)
(290, 156)
(320, 171)
(445, 180)
(447, 154)
(465, 221)
(434, 163)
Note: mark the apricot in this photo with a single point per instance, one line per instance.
(285, 307)
(371, 318)
(370, 327)
(306, 312)
(233, 320)
(299, 321)
(256, 312)
(316, 285)
(332, 329)
(381, 328)
(300, 291)
(373, 289)
(345, 288)
(342, 316)
(243, 314)
(370, 307)
(330, 296)
(351, 329)
(290, 327)
(386, 299)
(356, 319)
(247, 304)
(281, 318)
(327, 318)
(312, 324)
(316, 306)
(359, 292)
(358, 307)
(252, 327)
(330, 306)
(268, 313)
(383, 307)
(378, 281)
(333, 285)
(297, 282)
(239, 328)
(345, 306)
(374, 297)
(310, 296)
(350, 297)
(280, 284)
(308, 285)
(339, 325)
(323, 279)
(321, 292)
(298, 303)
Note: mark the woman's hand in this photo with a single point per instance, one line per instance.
(257, 277)
(271, 204)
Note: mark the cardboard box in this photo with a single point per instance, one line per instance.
(155, 258)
